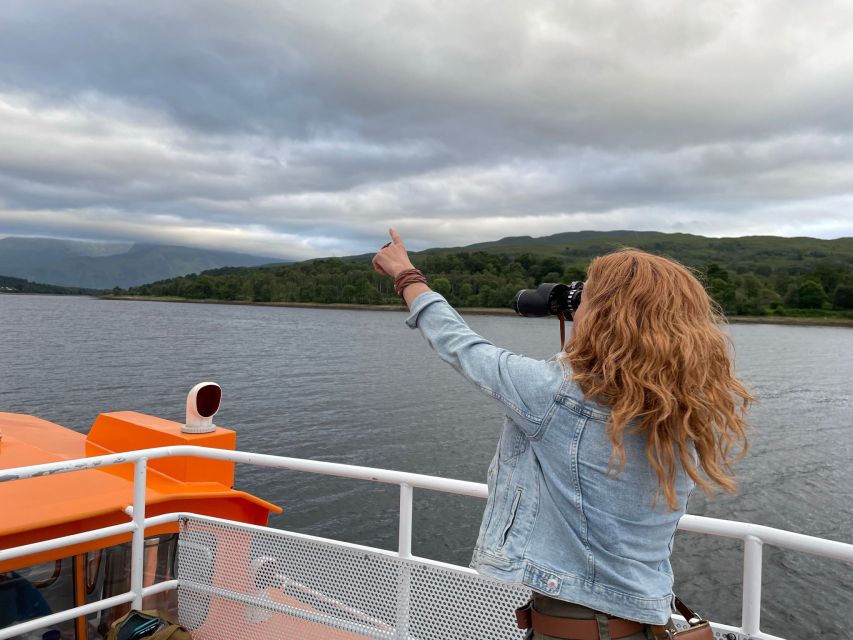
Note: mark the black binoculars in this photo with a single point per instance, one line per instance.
(549, 299)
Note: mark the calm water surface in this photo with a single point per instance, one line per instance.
(361, 388)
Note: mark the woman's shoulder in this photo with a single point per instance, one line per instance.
(573, 397)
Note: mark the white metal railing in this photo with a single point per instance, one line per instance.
(753, 536)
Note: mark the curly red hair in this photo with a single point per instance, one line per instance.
(649, 345)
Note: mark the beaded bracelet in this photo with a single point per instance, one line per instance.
(406, 278)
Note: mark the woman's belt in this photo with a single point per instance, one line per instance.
(577, 629)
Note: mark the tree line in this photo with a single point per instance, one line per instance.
(8, 284)
(491, 279)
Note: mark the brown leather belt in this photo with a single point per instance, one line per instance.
(576, 629)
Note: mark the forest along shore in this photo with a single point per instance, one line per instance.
(765, 277)
(816, 321)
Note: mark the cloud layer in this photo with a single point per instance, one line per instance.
(305, 129)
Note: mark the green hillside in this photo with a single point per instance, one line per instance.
(20, 285)
(755, 275)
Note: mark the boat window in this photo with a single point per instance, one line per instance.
(114, 578)
(42, 589)
(36, 591)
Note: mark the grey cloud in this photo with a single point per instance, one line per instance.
(503, 76)
(312, 126)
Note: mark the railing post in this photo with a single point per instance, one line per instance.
(751, 608)
(137, 545)
(404, 547)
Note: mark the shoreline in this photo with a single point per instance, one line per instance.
(474, 311)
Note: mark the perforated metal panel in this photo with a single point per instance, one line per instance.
(239, 582)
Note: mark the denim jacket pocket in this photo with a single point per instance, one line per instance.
(513, 510)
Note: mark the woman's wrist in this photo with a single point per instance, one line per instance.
(403, 267)
(407, 278)
(414, 291)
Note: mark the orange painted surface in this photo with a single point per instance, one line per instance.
(80, 595)
(222, 613)
(38, 509)
(127, 430)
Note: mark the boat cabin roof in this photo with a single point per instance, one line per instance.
(51, 506)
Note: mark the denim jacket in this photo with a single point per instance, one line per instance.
(556, 520)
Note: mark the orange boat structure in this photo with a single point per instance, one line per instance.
(52, 506)
(87, 495)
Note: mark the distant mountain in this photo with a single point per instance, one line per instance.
(745, 253)
(526, 243)
(96, 265)
(20, 256)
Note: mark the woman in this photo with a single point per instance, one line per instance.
(602, 445)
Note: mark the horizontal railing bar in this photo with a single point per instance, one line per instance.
(66, 541)
(160, 587)
(768, 535)
(84, 536)
(166, 518)
(62, 616)
(699, 524)
(422, 481)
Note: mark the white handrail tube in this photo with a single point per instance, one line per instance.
(421, 481)
(404, 550)
(137, 546)
(404, 547)
(751, 607)
(777, 537)
(66, 541)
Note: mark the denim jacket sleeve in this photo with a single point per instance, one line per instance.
(526, 388)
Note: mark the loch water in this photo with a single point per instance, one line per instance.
(359, 387)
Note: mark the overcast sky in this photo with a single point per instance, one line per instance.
(302, 129)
